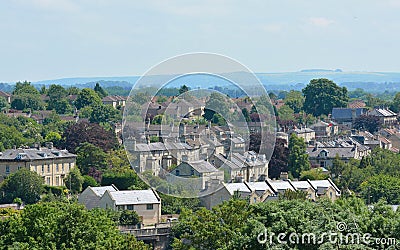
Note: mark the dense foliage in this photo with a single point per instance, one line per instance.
(237, 225)
(56, 225)
(24, 184)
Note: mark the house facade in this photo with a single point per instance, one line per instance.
(91, 196)
(50, 163)
(146, 203)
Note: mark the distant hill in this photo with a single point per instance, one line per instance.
(370, 81)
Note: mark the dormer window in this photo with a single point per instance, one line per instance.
(20, 156)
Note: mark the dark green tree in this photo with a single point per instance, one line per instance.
(246, 114)
(100, 91)
(87, 97)
(298, 157)
(129, 217)
(90, 156)
(74, 180)
(321, 95)
(23, 184)
(26, 96)
(89, 181)
(183, 89)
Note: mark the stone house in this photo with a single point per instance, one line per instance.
(91, 196)
(50, 163)
(146, 203)
(199, 169)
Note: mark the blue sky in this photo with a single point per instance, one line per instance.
(46, 39)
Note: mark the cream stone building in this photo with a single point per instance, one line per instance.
(50, 163)
(146, 203)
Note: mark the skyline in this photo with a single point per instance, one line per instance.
(44, 39)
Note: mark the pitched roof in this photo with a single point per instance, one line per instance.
(113, 98)
(260, 186)
(202, 166)
(227, 162)
(241, 187)
(356, 104)
(321, 185)
(302, 185)
(382, 112)
(4, 94)
(346, 152)
(346, 113)
(34, 154)
(280, 185)
(132, 197)
(99, 191)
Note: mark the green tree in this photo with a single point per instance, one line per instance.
(62, 225)
(129, 217)
(321, 95)
(56, 92)
(381, 186)
(74, 181)
(216, 103)
(10, 136)
(295, 100)
(4, 105)
(298, 158)
(104, 113)
(246, 114)
(285, 113)
(73, 90)
(183, 89)
(23, 184)
(53, 137)
(87, 97)
(395, 105)
(123, 179)
(26, 96)
(313, 174)
(141, 98)
(89, 181)
(90, 156)
(100, 91)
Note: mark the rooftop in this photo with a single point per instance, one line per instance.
(132, 197)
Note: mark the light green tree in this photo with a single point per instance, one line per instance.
(298, 158)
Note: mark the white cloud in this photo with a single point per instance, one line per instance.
(320, 21)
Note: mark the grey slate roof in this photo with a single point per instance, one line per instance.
(99, 191)
(332, 152)
(32, 154)
(227, 162)
(132, 197)
(159, 146)
(202, 166)
(346, 113)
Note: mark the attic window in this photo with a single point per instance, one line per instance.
(42, 154)
(58, 153)
(20, 156)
